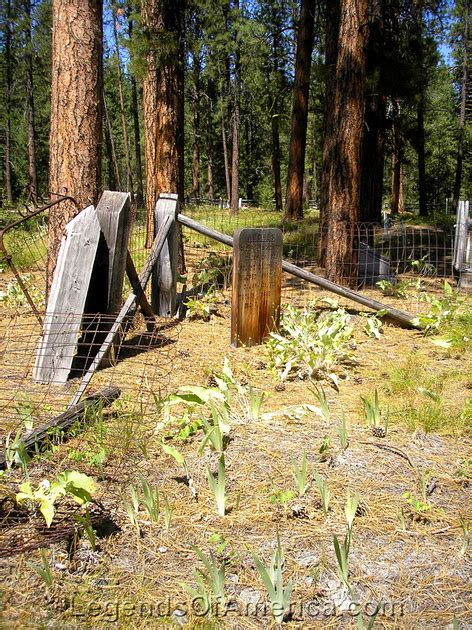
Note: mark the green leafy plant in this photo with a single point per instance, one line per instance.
(376, 417)
(214, 432)
(180, 459)
(255, 398)
(373, 326)
(15, 452)
(217, 484)
(419, 507)
(350, 509)
(272, 577)
(79, 486)
(210, 581)
(442, 310)
(342, 432)
(322, 486)
(201, 307)
(394, 289)
(150, 499)
(321, 399)
(168, 512)
(86, 523)
(281, 497)
(310, 343)
(465, 535)
(300, 474)
(43, 569)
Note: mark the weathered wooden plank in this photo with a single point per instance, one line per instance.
(164, 277)
(65, 420)
(129, 308)
(114, 215)
(62, 322)
(461, 234)
(257, 282)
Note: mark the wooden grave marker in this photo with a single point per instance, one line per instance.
(114, 215)
(70, 285)
(257, 282)
(164, 275)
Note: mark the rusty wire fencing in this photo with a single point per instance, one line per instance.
(398, 253)
(139, 363)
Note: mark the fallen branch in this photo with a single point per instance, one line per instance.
(392, 449)
(65, 420)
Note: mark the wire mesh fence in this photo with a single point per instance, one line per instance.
(143, 354)
(139, 362)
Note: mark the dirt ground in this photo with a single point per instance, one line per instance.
(415, 564)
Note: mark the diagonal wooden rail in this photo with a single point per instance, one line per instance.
(401, 317)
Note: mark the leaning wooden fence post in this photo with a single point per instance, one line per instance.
(257, 283)
(164, 276)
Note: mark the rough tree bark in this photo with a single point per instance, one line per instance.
(344, 191)
(76, 113)
(397, 157)
(32, 179)
(462, 119)
(331, 54)
(163, 102)
(296, 160)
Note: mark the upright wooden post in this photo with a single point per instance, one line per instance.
(164, 277)
(114, 215)
(257, 282)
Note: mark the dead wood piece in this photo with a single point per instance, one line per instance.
(65, 420)
(392, 449)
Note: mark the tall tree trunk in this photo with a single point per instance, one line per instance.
(163, 103)
(234, 200)
(109, 134)
(397, 156)
(111, 183)
(331, 54)
(225, 153)
(296, 160)
(344, 193)
(129, 172)
(8, 87)
(76, 113)
(274, 109)
(373, 150)
(373, 158)
(420, 149)
(32, 179)
(464, 85)
(137, 134)
(196, 127)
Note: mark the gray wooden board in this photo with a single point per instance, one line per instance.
(62, 322)
(164, 276)
(114, 215)
(461, 234)
(257, 281)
